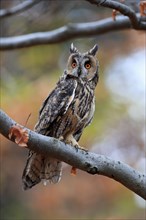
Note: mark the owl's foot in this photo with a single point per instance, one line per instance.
(71, 140)
(61, 138)
(82, 148)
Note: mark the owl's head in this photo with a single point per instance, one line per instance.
(83, 65)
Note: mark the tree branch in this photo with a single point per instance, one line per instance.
(123, 9)
(18, 8)
(65, 33)
(83, 160)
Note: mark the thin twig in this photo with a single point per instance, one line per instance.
(18, 8)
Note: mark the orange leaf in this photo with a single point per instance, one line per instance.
(73, 171)
(114, 13)
(142, 7)
(20, 135)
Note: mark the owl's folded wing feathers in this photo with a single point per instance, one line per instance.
(56, 104)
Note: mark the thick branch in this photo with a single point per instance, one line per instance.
(65, 33)
(18, 8)
(84, 160)
(123, 9)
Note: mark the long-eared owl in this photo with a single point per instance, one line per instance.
(65, 113)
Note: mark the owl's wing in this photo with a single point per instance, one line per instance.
(56, 104)
(38, 166)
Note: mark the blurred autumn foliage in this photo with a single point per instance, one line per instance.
(27, 77)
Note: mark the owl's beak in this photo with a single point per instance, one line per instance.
(79, 71)
(76, 72)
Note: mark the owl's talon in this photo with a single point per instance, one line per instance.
(77, 146)
(86, 150)
(82, 148)
(61, 138)
(70, 140)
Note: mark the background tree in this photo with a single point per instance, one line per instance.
(30, 73)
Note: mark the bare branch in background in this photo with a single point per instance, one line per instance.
(83, 160)
(18, 8)
(66, 33)
(123, 9)
(74, 30)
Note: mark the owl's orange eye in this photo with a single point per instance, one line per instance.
(74, 64)
(87, 65)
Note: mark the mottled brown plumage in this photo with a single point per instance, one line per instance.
(65, 113)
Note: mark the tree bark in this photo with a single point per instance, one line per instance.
(80, 159)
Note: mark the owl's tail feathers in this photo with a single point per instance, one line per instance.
(40, 168)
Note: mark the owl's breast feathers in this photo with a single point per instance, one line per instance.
(82, 107)
(67, 110)
(78, 112)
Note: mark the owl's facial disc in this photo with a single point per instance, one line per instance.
(82, 66)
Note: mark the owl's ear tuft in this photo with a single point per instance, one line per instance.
(73, 49)
(94, 50)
